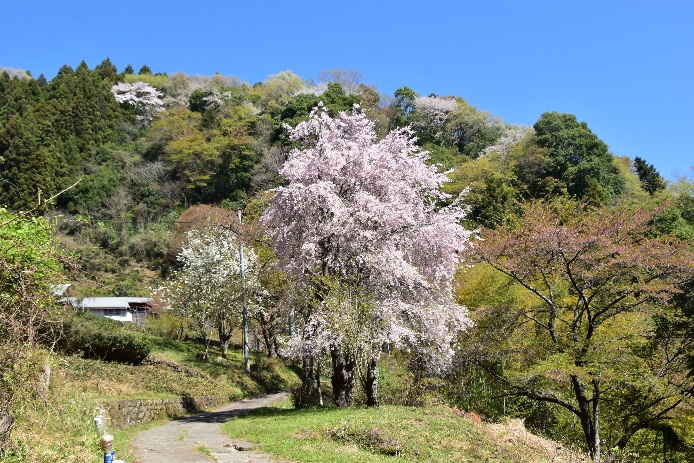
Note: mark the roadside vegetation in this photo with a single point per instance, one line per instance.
(58, 425)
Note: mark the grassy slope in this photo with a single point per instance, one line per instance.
(58, 426)
(430, 434)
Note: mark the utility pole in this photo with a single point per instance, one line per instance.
(246, 350)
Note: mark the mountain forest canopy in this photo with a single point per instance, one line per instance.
(528, 264)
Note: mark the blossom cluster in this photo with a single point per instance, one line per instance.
(209, 280)
(511, 136)
(145, 98)
(431, 113)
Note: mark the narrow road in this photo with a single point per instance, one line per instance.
(199, 438)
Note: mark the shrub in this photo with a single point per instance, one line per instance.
(167, 326)
(271, 373)
(104, 339)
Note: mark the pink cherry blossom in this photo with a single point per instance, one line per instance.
(369, 213)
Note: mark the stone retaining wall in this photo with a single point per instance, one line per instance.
(124, 413)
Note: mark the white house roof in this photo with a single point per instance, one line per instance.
(59, 290)
(108, 302)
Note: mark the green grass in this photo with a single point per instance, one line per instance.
(390, 433)
(205, 451)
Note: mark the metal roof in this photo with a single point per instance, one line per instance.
(108, 302)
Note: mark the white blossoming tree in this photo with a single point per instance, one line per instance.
(430, 116)
(208, 287)
(359, 225)
(145, 98)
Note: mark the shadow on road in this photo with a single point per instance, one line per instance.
(241, 408)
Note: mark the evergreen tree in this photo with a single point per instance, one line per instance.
(403, 107)
(651, 181)
(106, 70)
(575, 155)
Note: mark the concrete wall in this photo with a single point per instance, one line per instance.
(124, 413)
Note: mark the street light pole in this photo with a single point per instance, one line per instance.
(246, 350)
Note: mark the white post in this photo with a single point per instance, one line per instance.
(246, 350)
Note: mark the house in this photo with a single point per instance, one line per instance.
(124, 309)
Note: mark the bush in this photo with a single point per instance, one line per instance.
(399, 385)
(167, 326)
(272, 374)
(104, 339)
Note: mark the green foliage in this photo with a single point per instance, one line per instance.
(33, 167)
(29, 262)
(104, 339)
(402, 107)
(107, 71)
(491, 193)
(398, 384)
(576, 156)
(444, 159)
(159, 81)
(632, 185)
(298, 108)
(277, 89)
(196, 100)
(600, 279)
(650, 179)
(48, 131)
(473, 130)
(92, 194)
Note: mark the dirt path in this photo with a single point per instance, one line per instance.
(199, 438)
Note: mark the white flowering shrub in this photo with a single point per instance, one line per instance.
(145, 98)
(208, 286)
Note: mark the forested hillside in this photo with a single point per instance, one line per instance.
(575, 265)
(176, 141)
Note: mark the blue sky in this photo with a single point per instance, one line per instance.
(626, 68)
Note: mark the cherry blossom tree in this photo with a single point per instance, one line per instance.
(360, 226)
(430, 116)
(145, 98)
(511, 136)
(208, 287)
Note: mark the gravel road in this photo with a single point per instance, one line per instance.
(199, 438)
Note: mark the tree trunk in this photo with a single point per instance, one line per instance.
(343, 378)
(318, 387)
(224, 338)
(306, 392)
(621, 443)
(596, 418)
(371, 384)
(590, 432)
(276, 344)
(206, 355)
(267, 339)
(291, 322)
(44, 382)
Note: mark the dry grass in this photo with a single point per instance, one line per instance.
(513, 434)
